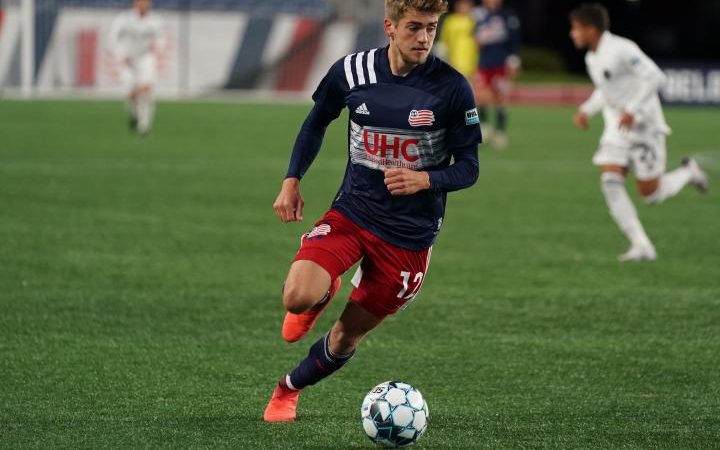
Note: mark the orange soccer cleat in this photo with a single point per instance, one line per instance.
(296, 326)
(282, 405)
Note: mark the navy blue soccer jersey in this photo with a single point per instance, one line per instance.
(420, 122)
(498, 33)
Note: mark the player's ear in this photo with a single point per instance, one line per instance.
(389, 29)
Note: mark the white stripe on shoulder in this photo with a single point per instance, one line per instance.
(348, 71)
(371, 66)
(359, 68)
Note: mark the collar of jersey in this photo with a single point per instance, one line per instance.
(417, 71)
(604, 39)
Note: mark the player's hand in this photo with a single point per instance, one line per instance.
(581, 120)
(627, 121)
(289, 204)
(406, 181)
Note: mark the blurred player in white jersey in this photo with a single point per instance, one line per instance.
(626, 91)
(137, 38)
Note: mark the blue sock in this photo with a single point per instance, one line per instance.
(482, 114)
(501, 118)
(319, 363)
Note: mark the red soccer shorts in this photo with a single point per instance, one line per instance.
(492, 77)
(389, 277)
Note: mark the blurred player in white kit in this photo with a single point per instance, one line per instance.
(626, 91)
(136, 39)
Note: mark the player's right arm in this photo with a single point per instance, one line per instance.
(329, 101)
(160, 42)
(592, 106)
(115, 45)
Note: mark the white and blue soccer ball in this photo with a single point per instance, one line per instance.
(394, 414)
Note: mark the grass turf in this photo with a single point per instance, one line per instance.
(139, 291)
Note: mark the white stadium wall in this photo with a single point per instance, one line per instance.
(270, 51)
(207, 51)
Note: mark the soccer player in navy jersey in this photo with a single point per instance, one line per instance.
(411, 115)
(498, 34)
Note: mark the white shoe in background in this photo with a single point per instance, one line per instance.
(500, 141)
(699, 178)
(639, 253)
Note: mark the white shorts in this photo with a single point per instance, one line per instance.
(645, 155)
(140, 71)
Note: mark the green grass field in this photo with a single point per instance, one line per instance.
(140, 282)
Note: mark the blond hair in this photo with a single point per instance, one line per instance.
(396, 9)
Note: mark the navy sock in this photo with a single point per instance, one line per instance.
(319, 363)
(482, 114)
(501, 118)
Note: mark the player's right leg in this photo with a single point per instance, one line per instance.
(131, 106)
(307, 291)
(613, 156)
(326, 252)
(623, 212)
(127, 78)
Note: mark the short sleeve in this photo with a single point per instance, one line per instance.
(464, 123)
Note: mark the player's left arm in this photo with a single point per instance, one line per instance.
(462, 138)
(114, 41)
(652, 78)
(513, 61)
(160, 41)
(462, 174)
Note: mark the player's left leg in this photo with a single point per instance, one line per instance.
(623, 212)
(146, 73)
(656, 186)
(656, 190)
(502, 86)
(145, 108)
(326, 356)
(483, 98)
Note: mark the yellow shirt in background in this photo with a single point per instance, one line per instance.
(458, 37)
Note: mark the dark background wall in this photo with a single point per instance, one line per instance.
(686, 30)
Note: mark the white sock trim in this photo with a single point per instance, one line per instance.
(289, 383)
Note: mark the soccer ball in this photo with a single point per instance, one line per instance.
(394, 414)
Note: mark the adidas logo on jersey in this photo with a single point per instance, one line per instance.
(362, 109)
